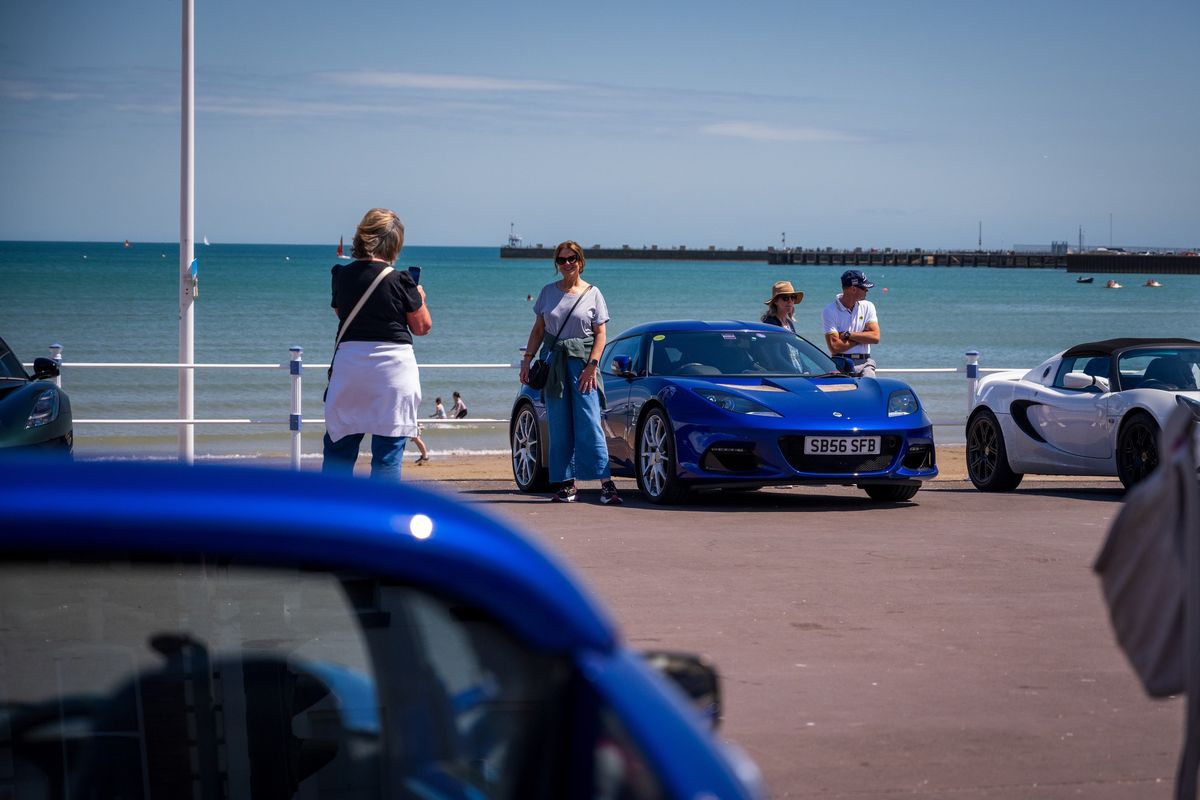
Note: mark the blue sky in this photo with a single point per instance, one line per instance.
(875, 124)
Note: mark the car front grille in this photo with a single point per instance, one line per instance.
(842, 464)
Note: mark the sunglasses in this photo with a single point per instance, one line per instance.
(563, 260)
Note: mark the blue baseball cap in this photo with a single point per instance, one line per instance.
(856, 277)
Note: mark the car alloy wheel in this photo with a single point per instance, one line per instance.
(1137, 449)
(656, 466)
(528, 471)
(987, 458)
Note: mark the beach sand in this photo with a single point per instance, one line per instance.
(951, 467)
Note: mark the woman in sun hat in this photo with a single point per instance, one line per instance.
(781, 308)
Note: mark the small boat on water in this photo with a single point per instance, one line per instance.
(1153, 283)
(1113, 285)
(341, 251)
(1082, 279)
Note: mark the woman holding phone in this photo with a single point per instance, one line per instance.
(569, 331)
(374, 383)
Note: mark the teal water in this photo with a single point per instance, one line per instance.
(107, 303)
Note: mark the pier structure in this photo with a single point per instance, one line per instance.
(1107, 262)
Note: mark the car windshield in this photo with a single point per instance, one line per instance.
(1171, 369)
(725, 353)
(10, 365)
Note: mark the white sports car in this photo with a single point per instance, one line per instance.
(1095, 409)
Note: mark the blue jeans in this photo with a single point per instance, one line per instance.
(387, 453)
(577, 446)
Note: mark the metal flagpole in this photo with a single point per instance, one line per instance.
(187, 261)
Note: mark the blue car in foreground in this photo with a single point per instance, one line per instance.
(215, 632)
(712, 405)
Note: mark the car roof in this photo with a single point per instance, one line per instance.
(677, 325)
(1110, 346)
(268, 517)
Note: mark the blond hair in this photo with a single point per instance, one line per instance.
(379, 235)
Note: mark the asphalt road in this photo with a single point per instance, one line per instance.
(953, 646)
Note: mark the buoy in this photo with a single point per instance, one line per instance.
(885, 290)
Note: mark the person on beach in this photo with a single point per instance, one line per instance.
(569, 330)
(423, 458)
(374, 383)
(851, 324)
(781, 308)
(459, 409)
(439, 410)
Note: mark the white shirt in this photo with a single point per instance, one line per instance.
(837, 318)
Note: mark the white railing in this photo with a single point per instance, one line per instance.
(295, 366)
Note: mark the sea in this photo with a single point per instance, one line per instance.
(105, 302)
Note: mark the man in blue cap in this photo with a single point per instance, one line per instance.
(851, 324)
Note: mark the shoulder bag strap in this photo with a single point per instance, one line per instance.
(567, 318)
(383, 273)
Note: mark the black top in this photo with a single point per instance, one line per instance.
(384, 317)
(1110, 346)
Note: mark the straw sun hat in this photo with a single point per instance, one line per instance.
(783, 287)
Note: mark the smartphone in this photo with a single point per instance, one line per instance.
(416, 274)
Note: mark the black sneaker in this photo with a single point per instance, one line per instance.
(608, 494)
(565, 493)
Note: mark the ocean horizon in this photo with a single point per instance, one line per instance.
(104, 302)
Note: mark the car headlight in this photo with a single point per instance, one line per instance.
(735, 403)
(902, 402)
(45, 410)
(1190, 404)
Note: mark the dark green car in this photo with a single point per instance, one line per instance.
(34, 412)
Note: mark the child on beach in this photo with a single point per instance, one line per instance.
(439, 410)
(459, 409)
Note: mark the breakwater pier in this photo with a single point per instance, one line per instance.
(1107, 262)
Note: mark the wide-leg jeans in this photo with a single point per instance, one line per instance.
(577, 446)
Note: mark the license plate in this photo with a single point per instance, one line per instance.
(841, 445)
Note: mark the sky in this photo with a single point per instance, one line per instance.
(922, 123)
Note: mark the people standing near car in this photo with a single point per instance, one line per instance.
(851, 323)
(569, 331)
(374, 383)
(781, 308)
(459, 409)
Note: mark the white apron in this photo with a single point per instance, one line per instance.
(375, 388)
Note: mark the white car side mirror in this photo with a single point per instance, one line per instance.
(1081, 380)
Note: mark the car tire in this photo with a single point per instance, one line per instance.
(526, 448)
(890, 493)
(987, 457)
(655, 462)
(1137, 448)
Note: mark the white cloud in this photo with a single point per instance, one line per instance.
(757, 131)
(22, 90)
(440, 82)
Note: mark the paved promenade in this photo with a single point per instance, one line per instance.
(956, 646)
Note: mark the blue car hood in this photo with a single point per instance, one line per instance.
(793, 396)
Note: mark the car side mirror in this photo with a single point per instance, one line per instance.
(695, 675)
(1081, 380)
(44, 368)
(844, 365)
(621, 365)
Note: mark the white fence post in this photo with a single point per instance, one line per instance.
(56, 357)
(972, 378)
(295, 420)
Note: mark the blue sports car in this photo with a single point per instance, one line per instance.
(708, 405)
(217, 632)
